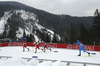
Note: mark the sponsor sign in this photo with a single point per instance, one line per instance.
(54, 45)
(15, 44)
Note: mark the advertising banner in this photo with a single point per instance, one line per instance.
(53, 45)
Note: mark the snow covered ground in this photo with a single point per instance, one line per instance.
(62, 55)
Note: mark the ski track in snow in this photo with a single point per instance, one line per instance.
(63, 54)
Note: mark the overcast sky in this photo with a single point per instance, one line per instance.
(69, 7)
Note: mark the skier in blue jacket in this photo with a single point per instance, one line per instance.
(81, 48)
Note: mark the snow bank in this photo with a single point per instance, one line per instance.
(13, 62)
(22, 62)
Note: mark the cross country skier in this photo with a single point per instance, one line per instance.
(37, 46)
(45, 46)
(81, 48)
(24, 46)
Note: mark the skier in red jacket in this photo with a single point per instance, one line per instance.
(24, 46)
(37, 46)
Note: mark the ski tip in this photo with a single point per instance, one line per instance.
(93, 53)
(34, 56)
(55, 51)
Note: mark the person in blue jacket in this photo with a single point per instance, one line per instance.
(81, 48)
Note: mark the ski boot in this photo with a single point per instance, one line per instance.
(35, 51)
(44, 50)
(23, 50)
(88, 53)
(28, 49)
(50, 49)
(79, 55)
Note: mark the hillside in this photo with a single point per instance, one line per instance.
(60, 24)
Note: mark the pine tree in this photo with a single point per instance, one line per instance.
(66, 39)
(28, 38)
(96, 26)
(84, 35)
(31, 38)
(54, 39)
(73, 34)
(92, 36)
(47, 38)
(11, 34)
(24, 34)
(42, 36)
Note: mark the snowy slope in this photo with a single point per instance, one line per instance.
(27, 21)
(63, 54)
(3, 21)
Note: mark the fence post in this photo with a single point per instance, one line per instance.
(68, 63)
(40, 61)
(84, 64)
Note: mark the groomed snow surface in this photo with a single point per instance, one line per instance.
(62, 55)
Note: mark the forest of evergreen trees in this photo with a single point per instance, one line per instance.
(88, 37)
